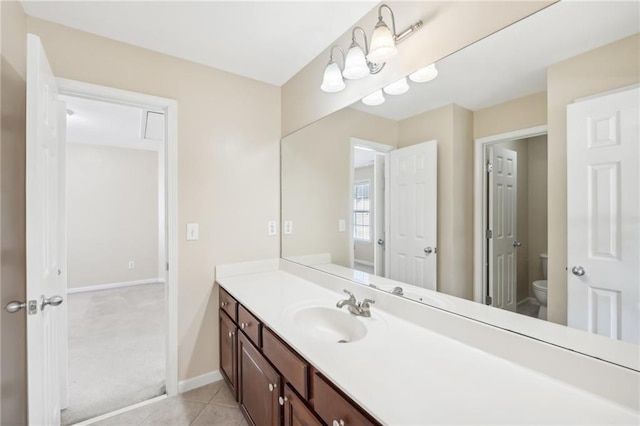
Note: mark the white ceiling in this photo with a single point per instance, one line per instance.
(103, 123)
(264, 40)
(513, 62)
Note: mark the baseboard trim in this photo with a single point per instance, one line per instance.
(110, 286)
(196, 382)
(363, 262)
(527, 300)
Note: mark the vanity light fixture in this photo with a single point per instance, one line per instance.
(384, 41)
(398, 88)
(425, 74)
(332, 81)
(374, 99)
(356, 64)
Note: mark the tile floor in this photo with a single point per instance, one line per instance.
(210, 405)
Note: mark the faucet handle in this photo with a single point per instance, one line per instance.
(365, 303)
(351, 296)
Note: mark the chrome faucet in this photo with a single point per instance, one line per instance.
(361, 309)
(397, 291)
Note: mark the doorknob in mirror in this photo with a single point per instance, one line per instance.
(381, 241)
(517, 244)
(53, 301)
(578, 271)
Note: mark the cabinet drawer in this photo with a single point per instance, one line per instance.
(228, 304)
(296, 413)
(250, 326)
(332, 406)
(294, 369)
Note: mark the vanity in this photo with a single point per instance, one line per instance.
(290, 356)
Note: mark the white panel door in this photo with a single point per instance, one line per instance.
(43, 261)
(379, 216)
(503, 201)
(603, 215)
(413, 214)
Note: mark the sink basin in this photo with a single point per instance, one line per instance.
(330, 324)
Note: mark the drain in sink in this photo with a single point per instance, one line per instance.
(343, 341)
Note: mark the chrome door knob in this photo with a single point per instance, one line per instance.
(380, 241)
(53, 301)
(14, 306)
(517, 244)
(428, 250)
(578, 271)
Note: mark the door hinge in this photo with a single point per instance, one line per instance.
(489, 234)
(489, 167)
(488, 300)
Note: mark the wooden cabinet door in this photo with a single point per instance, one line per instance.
(259, 385)
(229, 352)
(296, 412)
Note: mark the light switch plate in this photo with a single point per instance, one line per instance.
(342, 225)
(288, 227)
(193, 231)
(272, 228)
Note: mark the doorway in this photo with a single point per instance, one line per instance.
(116, 256)
(512, 230)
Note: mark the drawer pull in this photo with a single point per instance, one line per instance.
(231, 333)
(282, 400)
(272, 386)
(244, 325)
(223, 304)
(338, 422)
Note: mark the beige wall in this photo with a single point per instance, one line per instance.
(606, 68)
(315, 179)
(112, 214)
(364, 251)
(448, 27)
(452, 127)
(13, 386)
(517, 114)
(228, 156)
(537, 206)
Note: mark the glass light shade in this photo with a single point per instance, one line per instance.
(332, 81)
(398, 88)
(383, 46)
(425, 74)
(374, 99)
(355, 65)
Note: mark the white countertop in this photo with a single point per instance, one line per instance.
(405, 374)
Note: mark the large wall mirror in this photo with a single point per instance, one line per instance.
(507, 175)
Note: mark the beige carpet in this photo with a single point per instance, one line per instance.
(116, 350)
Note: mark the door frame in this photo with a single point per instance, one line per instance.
(170, 109)
(379, 148)
(480, 254)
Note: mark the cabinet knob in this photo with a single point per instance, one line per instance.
(231, 334)
(272, 386)
(244, 325)
(338, 422)
(223, 304)
(282, 400)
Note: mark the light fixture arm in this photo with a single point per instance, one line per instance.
(341, 52)
(403, 35)
(393, 17)
(373, 68)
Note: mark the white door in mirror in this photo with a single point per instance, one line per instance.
(413, 214)
(603, 215)
(503, 219)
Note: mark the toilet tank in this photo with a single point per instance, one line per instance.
(543, 260)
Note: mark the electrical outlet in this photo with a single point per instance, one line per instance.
(342, 225)
(272, 228)
(288, 227)
(132, 264)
